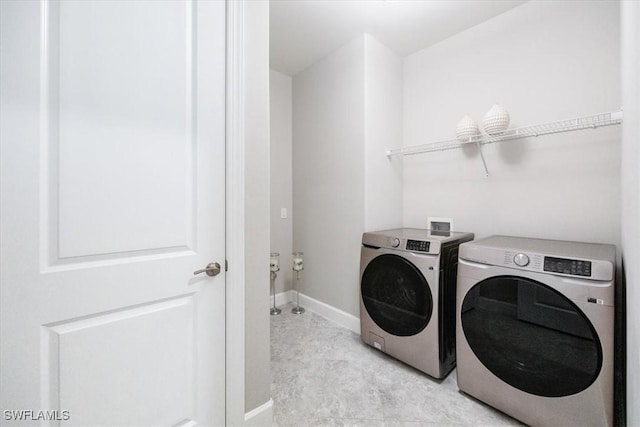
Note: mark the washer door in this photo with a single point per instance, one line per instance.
(396, 295)
(531, 336)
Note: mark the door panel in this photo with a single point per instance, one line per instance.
(112, 166)
(396, 295)
(108, 149)
(155, 345)
(535, 357)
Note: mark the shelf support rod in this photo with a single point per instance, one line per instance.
(484, 163)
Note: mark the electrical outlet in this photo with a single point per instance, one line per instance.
(283, 213)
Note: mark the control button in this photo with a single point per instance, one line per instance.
(395, 242)
(521, 260)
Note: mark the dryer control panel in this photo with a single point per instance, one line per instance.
(596, 268)
(574, 267)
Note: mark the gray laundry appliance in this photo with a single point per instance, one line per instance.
(407, 295)
(535, 329)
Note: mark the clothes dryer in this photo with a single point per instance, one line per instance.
(535, 329)
(407, 295)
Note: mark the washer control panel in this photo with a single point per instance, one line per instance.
(574, 267)
(418, 245)
(538, 262)
(580, 261)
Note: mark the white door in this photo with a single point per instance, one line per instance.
(112, 194)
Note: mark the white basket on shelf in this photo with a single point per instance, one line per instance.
(496, 120)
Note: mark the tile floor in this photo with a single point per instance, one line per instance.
(323, 375)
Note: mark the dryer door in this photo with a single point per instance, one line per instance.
(531, 336)
(396, 295)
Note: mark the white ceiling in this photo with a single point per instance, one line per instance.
(304, 31)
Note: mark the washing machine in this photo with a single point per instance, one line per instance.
(407, 295)
(535, 329)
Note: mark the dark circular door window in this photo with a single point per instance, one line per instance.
(531, 336)
(396, 295)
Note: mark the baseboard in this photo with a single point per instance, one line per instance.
(336, 315)
(260, 416)
(283, 298)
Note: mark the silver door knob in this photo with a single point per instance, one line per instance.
(212, 269)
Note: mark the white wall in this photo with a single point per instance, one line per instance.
(543, 61)
(383, 130)
(257, 330)
(281, 175)
(346, 111)
(328, 179)
(631, 198)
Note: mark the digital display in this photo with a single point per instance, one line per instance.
(417, 245)
(574, 267)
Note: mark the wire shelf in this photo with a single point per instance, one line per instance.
(579, 123)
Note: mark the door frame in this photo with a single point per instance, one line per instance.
(234, 221)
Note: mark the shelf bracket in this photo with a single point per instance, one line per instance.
(484, 163)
